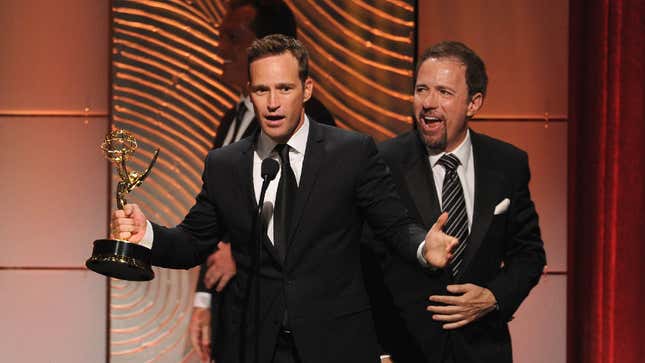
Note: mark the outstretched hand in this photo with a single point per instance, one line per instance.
(128, 224)
(438, 245)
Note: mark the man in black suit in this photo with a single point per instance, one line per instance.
(313, 306)
(442, 167)
(244, 22)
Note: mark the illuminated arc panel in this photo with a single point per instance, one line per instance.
(331, 19)
(181, 24)
(384, 14)
(362, 25)
(166, 90)
(347, 52)
(347, 93)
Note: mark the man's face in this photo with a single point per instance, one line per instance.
(236, 36)
(441, 104)
(278, 95)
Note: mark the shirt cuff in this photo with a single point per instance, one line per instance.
(383, 356)
(202, 300)
(422, 260)
(148, 237)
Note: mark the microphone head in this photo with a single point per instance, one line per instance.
(269, 169)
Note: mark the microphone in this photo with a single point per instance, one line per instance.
(269, 169)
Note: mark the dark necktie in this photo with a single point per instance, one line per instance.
(240, 110)
(453, 202)
(287, 188)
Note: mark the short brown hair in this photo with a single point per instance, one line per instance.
(476, 77)
(276, 44)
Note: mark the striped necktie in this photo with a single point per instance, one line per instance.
(453, 202)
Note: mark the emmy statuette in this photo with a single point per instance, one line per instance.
(113, 257)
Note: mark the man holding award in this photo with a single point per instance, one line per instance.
(311, 304)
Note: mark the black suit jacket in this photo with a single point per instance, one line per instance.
(343, 183)
(313, 108)
(505, 254)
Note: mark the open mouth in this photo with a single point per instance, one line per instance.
(274, 118)
(430, 122)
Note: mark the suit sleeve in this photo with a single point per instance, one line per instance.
(201, 287)
(190, 243)
(524, 256)
(382, 207)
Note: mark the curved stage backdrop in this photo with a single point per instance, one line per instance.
(166, 89)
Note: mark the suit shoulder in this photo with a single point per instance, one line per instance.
(402, 149)
(225, 152)
(395, 144)
(500, 155)
(342, 135)
(497, 147)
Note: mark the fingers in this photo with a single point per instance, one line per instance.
(129, 209)
(205, 343)
(460, 289)
(441, 309)
(456, 325)
(223, 282)
(451, 243)
(213, 275)
(438, 225)
(445, 299)
(211, 259)
(449, 318)
(195, 337)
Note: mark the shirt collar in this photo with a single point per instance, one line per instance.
(462, 152)
(247, 102)
(297, 142)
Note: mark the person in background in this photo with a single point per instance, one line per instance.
(458, 314)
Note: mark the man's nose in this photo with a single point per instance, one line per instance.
(273, 101)
(431, 100)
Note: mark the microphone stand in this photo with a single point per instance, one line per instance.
(269, 171)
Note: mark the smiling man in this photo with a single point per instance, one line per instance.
(313, 305)
(458, 314)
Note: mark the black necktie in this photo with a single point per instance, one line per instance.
(453, 202)
(287, 188)
(240, 110)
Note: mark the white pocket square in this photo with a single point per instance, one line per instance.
(502, 207)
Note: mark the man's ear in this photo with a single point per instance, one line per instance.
(308, 89)
(476, 102)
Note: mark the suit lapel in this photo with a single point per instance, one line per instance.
(488, 189)
(314, 158)
(420, 183)
(244, 173)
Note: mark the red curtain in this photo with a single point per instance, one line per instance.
(606, 291)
